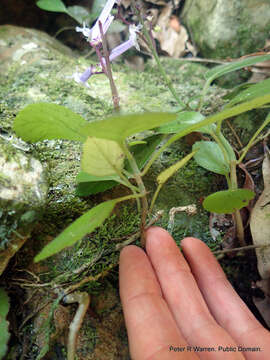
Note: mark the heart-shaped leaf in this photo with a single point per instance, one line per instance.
(227, 201)
(210, 157)
(43, 121)
(102, 157)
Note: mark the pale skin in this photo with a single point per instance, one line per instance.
(174, 300)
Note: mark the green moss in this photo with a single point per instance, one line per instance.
(97, 249)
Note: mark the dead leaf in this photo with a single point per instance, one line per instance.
(260, 222)
(172, 41)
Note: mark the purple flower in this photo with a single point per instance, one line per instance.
(132, 41)
(117, 51)
(82, 78)
(93, 34)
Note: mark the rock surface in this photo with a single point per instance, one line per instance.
(227, 28)
(23, 191)
(34, 68)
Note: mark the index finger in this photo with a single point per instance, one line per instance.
(150, 325)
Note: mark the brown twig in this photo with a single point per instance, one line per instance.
(240, 249)
(234, 133)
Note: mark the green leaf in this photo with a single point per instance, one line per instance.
(119, 127)
(228, 147)
(4, 308)
(79, 13)
(90, 184)
(94, 187)
(210, 157)
(227, 201)
(142, 152)
(86, 177)
(85, 224)
(42, 121)
(251, 92)
(102, 157)
(233, 66)
(52, 5)
(236, 90)
(184, 121)
(166, 174)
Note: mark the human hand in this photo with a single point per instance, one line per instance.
(172, 303)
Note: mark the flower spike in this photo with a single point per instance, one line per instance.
(93, 34)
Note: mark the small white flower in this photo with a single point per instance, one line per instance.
(84, 30)
(133, 30)
(105, 18)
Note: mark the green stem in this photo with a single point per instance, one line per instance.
(156, 57)
(154, 198)
(253, 139)
(138, 178)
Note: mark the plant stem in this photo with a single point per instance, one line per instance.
(154, 198)
(237, 214)
(115, 97)
(253, 139)
(156, 57)
(138, 178)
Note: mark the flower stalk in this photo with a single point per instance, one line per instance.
(115, 97)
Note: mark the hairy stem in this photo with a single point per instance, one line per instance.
(115, 97)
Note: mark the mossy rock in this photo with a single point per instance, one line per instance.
(222, 29)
